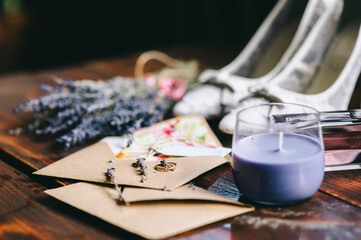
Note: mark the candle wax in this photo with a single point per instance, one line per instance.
(267, 174)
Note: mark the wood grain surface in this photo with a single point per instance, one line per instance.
(28, 213)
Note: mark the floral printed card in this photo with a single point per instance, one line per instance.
(181, 131)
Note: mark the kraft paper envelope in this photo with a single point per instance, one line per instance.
(152, 214)
(90, 164)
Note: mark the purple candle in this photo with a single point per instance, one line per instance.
(269, 172)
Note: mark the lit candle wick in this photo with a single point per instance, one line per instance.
(280, 141)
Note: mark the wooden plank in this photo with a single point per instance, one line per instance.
(345, 185)
(321, 217)
(28, 213)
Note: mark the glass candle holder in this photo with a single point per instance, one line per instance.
(278, 153)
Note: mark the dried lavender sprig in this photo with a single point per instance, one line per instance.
(50, 102)
(111, 175)
(89, 128)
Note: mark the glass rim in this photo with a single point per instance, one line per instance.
(278, 104)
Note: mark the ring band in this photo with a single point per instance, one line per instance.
(169, 166)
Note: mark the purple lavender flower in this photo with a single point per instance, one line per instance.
(76, 112)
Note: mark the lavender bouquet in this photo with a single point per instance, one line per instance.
(77, 111)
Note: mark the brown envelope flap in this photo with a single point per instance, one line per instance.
(90, 164)
(182, 193)
(152, 220)
(86, 164)
(187, 169)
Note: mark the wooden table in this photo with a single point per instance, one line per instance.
(334, 212)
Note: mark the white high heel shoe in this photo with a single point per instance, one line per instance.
(265, 55)
(331, 87)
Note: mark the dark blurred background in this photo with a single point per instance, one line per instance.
(36, 34)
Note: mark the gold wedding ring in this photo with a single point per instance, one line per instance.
(168, 166)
